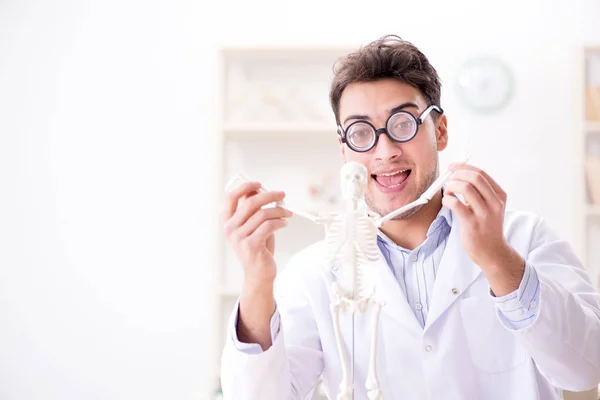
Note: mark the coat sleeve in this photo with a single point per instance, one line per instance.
(564, 338)
(290, 368)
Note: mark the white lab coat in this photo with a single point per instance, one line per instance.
(464, 352)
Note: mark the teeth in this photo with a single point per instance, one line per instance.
(393, 173)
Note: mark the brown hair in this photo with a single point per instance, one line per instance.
(387, 57)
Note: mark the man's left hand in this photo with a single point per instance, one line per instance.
(482, 219)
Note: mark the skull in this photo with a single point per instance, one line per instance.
(354, 180)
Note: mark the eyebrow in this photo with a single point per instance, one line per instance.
(392, 111)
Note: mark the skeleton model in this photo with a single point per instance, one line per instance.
(351, 237)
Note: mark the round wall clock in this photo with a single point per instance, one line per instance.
(485, 84)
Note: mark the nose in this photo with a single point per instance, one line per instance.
(386, 149)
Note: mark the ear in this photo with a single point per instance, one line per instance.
(441, 133)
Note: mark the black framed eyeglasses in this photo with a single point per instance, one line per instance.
(401, 127)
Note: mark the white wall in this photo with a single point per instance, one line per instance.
(106, 220)
(107, 146)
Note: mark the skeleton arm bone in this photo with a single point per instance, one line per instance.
(241, 177)
(420, 201)
(436, 186)
(424, 199)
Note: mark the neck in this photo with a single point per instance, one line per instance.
(412, 231)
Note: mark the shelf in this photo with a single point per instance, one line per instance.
(277, 129)
(229, 293)
(593, 210)
(592, 127)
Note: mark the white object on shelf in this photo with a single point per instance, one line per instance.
(593, 69)
(277, 86)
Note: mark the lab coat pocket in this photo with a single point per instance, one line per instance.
(493, 349)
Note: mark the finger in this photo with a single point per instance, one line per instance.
(497, 188)
(480, 183)
(469, 192)
(232, 197)
(250, 206)
(264, 231)
(258, 218)
(456, 206)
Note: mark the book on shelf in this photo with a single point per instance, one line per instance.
(592, 89)
(592, 104)
(592, 171)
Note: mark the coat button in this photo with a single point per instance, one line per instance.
(455, 291)
(334, 268)
(533, 304)
(428, 348)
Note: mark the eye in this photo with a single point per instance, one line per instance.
(404, 125)
(360, 134)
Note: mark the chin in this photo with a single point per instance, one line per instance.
(384, 204)
(399, 200)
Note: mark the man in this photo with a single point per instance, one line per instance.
(479, 302)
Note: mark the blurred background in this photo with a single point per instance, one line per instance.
(120, 122)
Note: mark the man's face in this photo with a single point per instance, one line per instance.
(399, 172)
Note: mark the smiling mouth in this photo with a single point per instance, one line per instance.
(392, 179)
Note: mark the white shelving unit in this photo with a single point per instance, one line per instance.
(589, 162)
(587, 212)
(277, 127)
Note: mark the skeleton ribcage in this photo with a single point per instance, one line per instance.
(367, 239)
(353, 244)
(368, 252)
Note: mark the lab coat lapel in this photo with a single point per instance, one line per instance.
(455, 274)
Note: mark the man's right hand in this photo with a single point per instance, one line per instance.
(250, 230)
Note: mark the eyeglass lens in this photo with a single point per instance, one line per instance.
(401, 126)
